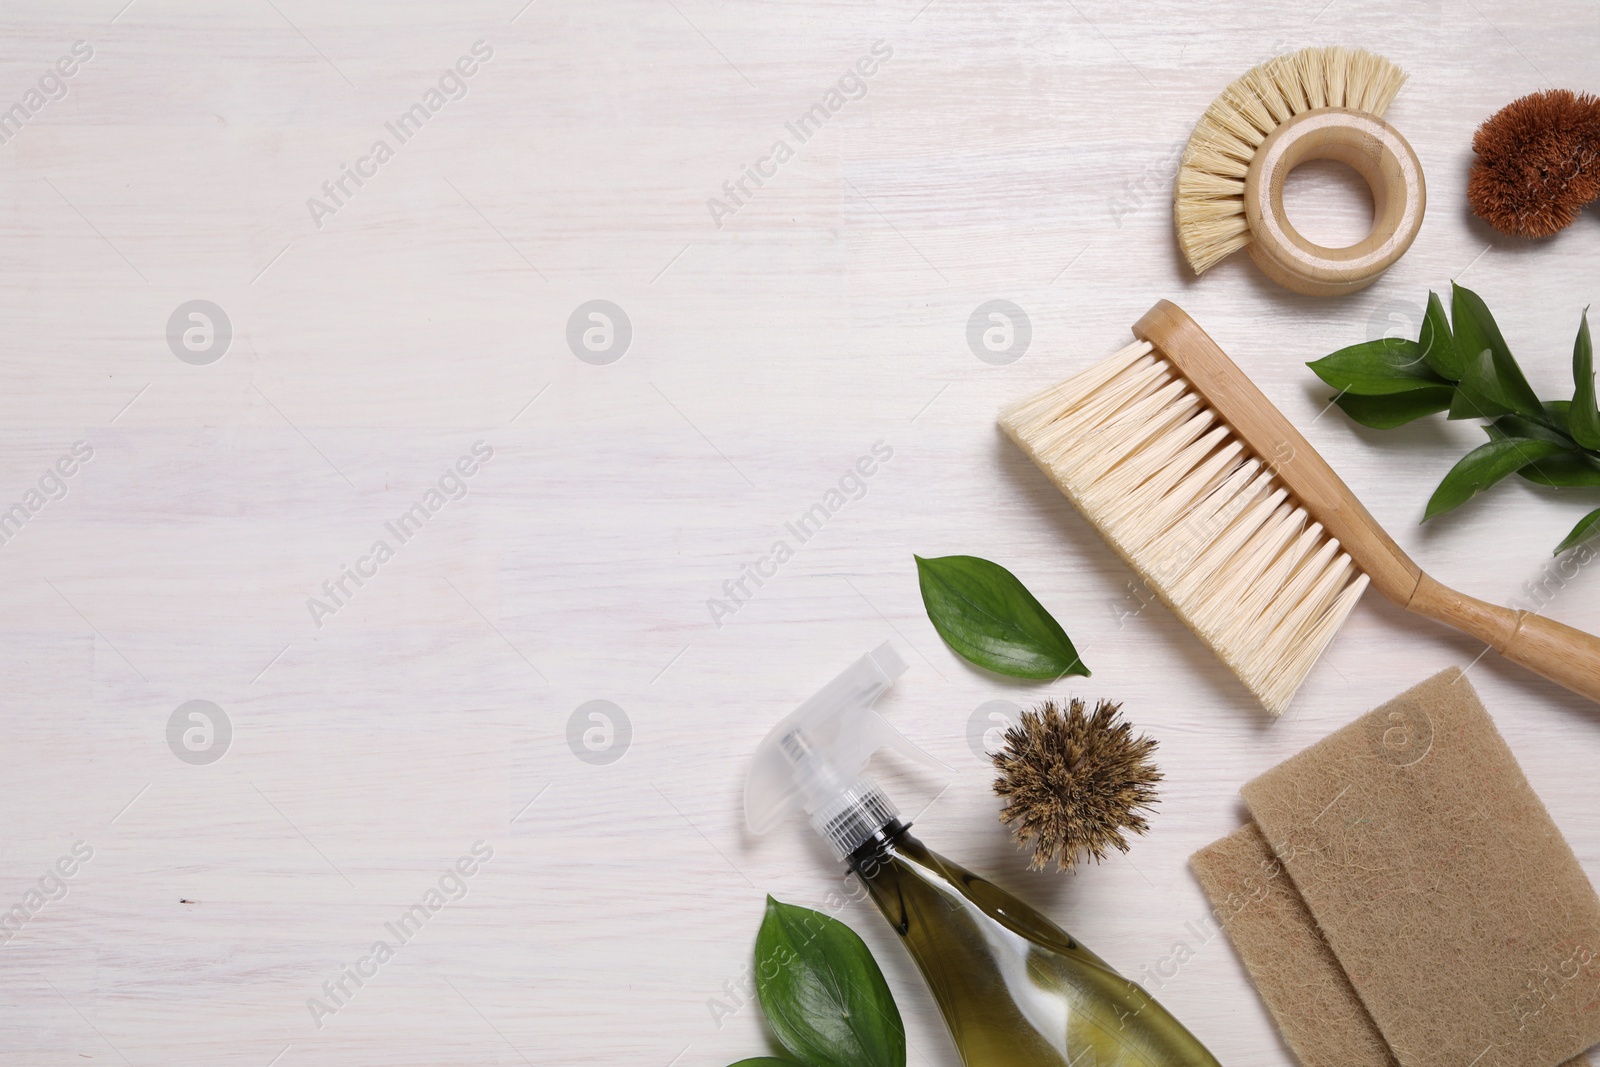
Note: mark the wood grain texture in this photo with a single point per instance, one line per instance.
(1375, 151)
(1020, 152)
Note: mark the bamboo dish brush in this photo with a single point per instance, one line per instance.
(1317, 103)
(1193, 477)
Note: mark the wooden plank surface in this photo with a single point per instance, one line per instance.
(1020, 152)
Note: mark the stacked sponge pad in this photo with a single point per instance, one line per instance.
(1403, 898)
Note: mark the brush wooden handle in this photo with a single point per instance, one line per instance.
(1562, 654)
(1374, 150)
(1262, 427)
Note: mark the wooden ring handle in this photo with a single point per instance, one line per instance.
(1374, 150)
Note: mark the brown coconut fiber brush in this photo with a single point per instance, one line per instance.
(1194, 478)
(1538, 163)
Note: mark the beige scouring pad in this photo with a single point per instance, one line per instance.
(1403, 897)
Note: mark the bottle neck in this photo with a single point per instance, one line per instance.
(854, 813)
(869, 857)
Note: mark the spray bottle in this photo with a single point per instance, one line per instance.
(1015, 989)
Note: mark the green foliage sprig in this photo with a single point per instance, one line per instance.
(823, 994)
(1461, 365)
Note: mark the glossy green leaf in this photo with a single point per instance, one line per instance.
(1558, 413)
(1584, 419)
(1397, 409)
(1515, 389)
(1439, 349)
(1517, 426)
(1474, 326)
(1493, 381)
(1564, 471)
(1478, 393)
(1377, 368)
(1581, 532)
(823, 992)
(1570, 467)
(1484, 466)
(989, 618)
(765, 1061)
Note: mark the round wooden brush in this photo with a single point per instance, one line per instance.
(1191, 474)
(1317, 103)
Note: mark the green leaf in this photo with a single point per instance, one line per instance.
(1584, 419)
(1570, 467)
(1397, 409)
(1474, 327)
(1476, 392)
(989, 618)
(1586, 526)
(1559, 413)
(1484, 393)
(1377, 368)
(1490, 384)
(823, 993)
(1439, 349)
(765, 1061)
(1482, 467)
(1517, 426)
(1564, 471)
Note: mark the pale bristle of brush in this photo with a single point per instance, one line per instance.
(1200, 518)
(1208, 200)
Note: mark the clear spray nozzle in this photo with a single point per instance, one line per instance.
(813, 759)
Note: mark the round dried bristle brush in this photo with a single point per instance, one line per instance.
(1075, 784)
(1231, 518)
(1317, 103)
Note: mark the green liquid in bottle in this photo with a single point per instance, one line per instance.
(1015, 989)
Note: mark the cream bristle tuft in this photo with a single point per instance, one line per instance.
(1208, 199)
(1203, 521)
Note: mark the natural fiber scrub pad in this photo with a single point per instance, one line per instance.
(1439, 882)
(1301, 982)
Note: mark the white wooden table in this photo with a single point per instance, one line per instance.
(1018, 152)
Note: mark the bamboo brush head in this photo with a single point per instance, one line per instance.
(1209, 199)
(1212, 497)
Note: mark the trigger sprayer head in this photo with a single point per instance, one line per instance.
(813, 759)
